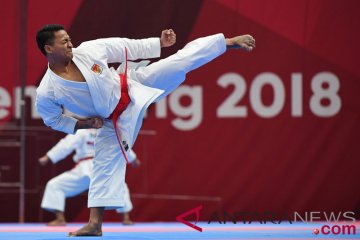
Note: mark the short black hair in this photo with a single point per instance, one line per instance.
(45, 35)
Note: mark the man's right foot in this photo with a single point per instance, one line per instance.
(56, 223)
(245, 42)
(127, 222)
(126, 219)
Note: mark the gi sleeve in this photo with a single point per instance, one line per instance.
(131, 156)
(114, 48)
(64, 147)
(52, 115)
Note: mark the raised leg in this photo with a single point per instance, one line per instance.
(167, 74)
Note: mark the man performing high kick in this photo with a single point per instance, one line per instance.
(79, 80)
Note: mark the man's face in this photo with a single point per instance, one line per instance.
(61, 47)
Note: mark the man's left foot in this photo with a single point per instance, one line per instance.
(88, 230)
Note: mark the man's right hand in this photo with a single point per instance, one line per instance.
(89, 123)
(95, 122)
(44, 160)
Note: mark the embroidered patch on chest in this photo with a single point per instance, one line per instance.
(96, 69)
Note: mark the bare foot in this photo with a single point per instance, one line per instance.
(126, 219)
(56, 222)
(127, 222)
(245, 42)
(87, 230)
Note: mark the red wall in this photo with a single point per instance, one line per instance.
(281, 145)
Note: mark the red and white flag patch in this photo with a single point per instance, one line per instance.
(96, 69)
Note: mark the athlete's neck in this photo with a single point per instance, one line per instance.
(60, 67)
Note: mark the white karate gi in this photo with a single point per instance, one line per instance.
(77, 180)
(100, 95)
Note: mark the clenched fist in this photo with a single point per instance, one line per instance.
(94, 122)
(168, 38)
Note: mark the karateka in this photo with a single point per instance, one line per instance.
(79, 80)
